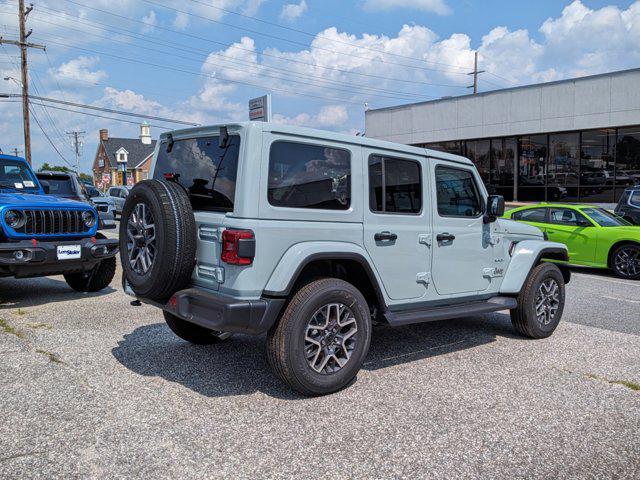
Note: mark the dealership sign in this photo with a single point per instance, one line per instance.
(260, 109)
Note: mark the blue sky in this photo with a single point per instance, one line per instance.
(201, 60)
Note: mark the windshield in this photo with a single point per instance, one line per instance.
(92, 191)
(205, 170)
(15, 175)
(59, 184)
(604, 218)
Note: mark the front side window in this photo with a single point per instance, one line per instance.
(537, 215)
(394, 185)
(206, 170)
(458, 194)
(309, 176)
(566, 216)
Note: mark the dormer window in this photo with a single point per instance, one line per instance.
(122, 156)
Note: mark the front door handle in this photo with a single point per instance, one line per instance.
(382, 236)
(445, 237)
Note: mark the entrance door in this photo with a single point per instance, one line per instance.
(397, 224)
(570, 227)
(462, 250)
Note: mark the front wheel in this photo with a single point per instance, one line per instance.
(94, 280)
(540, 303)
(319, 344)
(625, 261)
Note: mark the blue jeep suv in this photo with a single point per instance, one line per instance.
(44, 235)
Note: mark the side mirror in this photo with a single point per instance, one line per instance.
(45, 186)
(495, 208)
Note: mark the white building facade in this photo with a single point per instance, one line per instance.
(572, 140)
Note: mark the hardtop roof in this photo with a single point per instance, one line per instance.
(304, 132)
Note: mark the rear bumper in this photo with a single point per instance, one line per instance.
(222, 313)
(32, 259)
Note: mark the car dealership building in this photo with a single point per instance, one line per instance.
(572, 140)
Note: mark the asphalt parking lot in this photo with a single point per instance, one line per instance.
(93, 387)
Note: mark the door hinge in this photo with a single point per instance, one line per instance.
(424, 239)
(211, 234)
(424, 278)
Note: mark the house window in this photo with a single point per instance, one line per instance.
(101, 162)
(122, 157)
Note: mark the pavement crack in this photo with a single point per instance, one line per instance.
(21, 455)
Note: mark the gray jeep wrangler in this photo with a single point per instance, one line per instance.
(311, 237)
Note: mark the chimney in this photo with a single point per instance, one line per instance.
(104, 135)
(145, 133)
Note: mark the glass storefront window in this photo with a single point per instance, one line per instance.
(628, 159)
(564, 167)
(448, 147)
(597, 165)
(478, 153)
(503, 154)
(532, 164)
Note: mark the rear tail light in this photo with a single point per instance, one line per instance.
(238, 247)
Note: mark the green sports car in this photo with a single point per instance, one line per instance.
(595, 237)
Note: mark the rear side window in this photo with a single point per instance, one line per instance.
(205, 170)
(458, 194)
(538, 215)
(309, 176)
(635, 199)
(565, 216)
(394, 185)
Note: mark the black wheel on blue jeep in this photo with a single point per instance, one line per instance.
(157, 239)
(540, 302)
(321, 340)
(193, 333)
(96, 279)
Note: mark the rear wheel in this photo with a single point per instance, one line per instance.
(193, 333)
(625, 261)
(540, 303)
(320, 342)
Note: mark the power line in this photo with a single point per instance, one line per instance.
(275, 37)
(121, 120)
(226, 60)
(309, 34)
(35, 117)
(235, 46)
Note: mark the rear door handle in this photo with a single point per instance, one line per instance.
(445, 237)
(382, 236)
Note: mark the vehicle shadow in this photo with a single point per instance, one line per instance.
(32, 292)
(239, 365)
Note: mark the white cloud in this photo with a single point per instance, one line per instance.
(329, 116)
(78, 73)
(150, 21)
(293, 11)
(181, 21)
(435, 6)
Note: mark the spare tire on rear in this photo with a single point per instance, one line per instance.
(157, 239)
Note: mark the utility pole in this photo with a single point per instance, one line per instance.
(77, 144)
(475, 74)
(23, 13)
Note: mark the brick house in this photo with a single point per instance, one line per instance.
(114, 155)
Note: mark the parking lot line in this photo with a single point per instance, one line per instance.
(607, 279)
(620, 299)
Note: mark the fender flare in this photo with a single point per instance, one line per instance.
(298, 256)
(526, 255)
